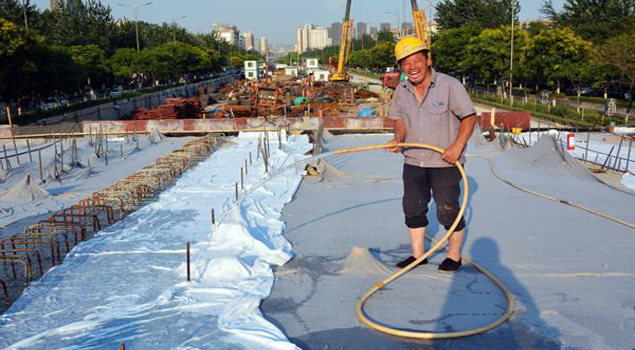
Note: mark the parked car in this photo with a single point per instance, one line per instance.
(584, 90)
(116, 91)
(62, 101)
(49, 103)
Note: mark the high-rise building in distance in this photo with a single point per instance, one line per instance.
(384, 26)
(264, 44)
(335, 33)
(248, 38)
(311, 37)
(362, 29)
(65, 3)
(230, 34)
(407, 28)
(373, 31)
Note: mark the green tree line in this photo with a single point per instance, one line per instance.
(584, 44)
(66, 50)
(587, 43)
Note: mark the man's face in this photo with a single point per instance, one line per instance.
(415, 67)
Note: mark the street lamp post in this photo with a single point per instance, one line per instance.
(511, 61)
(430, 17)
(136, 20)
(396, 16)
(26, 22)
(174, 24)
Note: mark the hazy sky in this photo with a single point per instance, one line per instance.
(275, 19)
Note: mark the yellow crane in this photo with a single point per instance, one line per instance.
(421, 24)
(345, 43)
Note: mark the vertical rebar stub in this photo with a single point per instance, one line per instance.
(187, 253)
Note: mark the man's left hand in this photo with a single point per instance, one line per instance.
(452, 154)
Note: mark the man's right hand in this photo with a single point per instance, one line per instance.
(394, 149)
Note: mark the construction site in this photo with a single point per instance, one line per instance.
(263, 211)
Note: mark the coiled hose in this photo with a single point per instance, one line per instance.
(437, 245)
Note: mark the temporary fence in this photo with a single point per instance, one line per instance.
(605, 160)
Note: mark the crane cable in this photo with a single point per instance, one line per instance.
(437, 245)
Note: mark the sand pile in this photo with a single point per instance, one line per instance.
(361, 262)
(4, 175)
(548, 153)
(24, 191)
(323, 170)
(479, 145)
(155, 136)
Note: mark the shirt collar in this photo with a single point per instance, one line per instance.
(408, 85)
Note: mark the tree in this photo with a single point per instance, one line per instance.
(85, 23)
(15, 11)
(30, 67)
(557, 57)
(16, 49)
(595, 20)
(156, 63)
(365, 42)
(485, 13)
(383, 55)
(152, 35)
(448, 48)
(124, 64)
(362, 58)
(617, 53)
(385, 35)
(57, 71)
(488, 55)
(92, 59)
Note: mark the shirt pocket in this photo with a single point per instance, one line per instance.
(438, 114)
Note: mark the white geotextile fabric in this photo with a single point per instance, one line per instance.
(128, 285)
(628, 180)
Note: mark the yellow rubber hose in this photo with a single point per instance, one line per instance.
(437, 245)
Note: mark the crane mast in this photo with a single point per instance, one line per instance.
(347, 24)
(421, 24)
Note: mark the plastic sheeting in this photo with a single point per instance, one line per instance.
(628, 180)
(128, 284)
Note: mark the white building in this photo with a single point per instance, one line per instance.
(252, 70)
(292, 71)
(312, 66)
(230, 34)
(320, 75)
(312, 63)
(311, 37)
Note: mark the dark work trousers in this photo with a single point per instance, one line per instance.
(443, 183)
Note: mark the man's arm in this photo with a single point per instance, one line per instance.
(400, 135)
(452, 153)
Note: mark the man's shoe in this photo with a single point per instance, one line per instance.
(409, 261)
(449, 266)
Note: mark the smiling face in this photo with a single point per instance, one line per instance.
(416, 67)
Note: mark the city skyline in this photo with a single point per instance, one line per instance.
(263, 19)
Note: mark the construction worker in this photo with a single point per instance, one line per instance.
(432, 108)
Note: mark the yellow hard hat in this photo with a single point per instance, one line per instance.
(407, 46)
